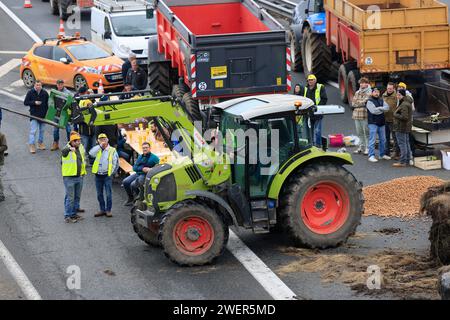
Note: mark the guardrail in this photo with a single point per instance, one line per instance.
(283, 8)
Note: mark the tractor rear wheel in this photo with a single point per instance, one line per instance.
(159, 77)
(192, 234)
(316, 55)
(192, 106)
(296, 53)
(322, 206)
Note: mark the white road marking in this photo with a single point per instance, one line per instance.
(19, 276)
(11, 95)
(276, 288)
(17, 84)
(13, 52)
(8, 66)
(333, 84)
(20, 23)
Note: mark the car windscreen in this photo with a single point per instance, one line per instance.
(132, 26)
(87, 51)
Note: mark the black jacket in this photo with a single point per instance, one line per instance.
(138, 79)
(125, 67)
(30, 100)
(311, 94)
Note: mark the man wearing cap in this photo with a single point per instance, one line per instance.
(73, 167)
(359, 114)
(410, 98)
(105, 166)
(55, 146)
(402, 127)
(316, 92)
(376, 107)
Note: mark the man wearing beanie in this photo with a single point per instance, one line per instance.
(402, 127)
(73, 167)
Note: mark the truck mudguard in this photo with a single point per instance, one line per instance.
(153, 54)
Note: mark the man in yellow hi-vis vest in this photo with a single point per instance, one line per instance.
(317, 93)
(73, 167)
(105, 167)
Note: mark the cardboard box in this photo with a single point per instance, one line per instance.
(446, 159)
(425, 163)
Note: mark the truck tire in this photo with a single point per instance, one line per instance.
(63, 5)
(352, 84)
(322, 206)
(192, 107)
(192, 234)
(316, 55)
(54, 7)
(342, 82)
(159, 77)
(178, 92)
(296, 53)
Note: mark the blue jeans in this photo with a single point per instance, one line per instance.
(318, 132)
(34, 127)
(73, 186)
(104, 183)
(404, 146)
(56, 133)
(132, 183)
(373, 131)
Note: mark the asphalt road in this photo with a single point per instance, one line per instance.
(32, 226)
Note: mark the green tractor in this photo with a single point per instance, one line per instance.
(260, 172)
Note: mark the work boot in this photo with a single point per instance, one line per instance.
(80, 210)
(55, 146)
(108, 214)
(78, 217)
(100, 214)
(32, 148)
(399, 165)
(41, 146)
(129, 202)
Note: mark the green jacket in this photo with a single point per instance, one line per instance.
(403, 116)
(391, 100)
(3, 148)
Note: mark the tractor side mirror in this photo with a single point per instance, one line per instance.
(306, 11)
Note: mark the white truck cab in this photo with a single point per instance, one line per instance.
(122, 27)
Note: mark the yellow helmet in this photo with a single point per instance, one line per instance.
(102, 135)
(402, 84)
(311, 77)
(74, 136)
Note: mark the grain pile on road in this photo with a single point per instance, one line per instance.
(398, 197)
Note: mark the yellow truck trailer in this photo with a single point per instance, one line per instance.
(399, 40)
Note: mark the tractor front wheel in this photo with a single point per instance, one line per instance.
(322, 206)
(192, 234)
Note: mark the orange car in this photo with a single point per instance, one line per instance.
(75, 60)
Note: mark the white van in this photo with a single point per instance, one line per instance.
(121, 27)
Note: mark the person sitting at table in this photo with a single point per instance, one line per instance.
(143, 164)
(157, 133)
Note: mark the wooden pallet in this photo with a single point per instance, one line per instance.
(425, 163)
